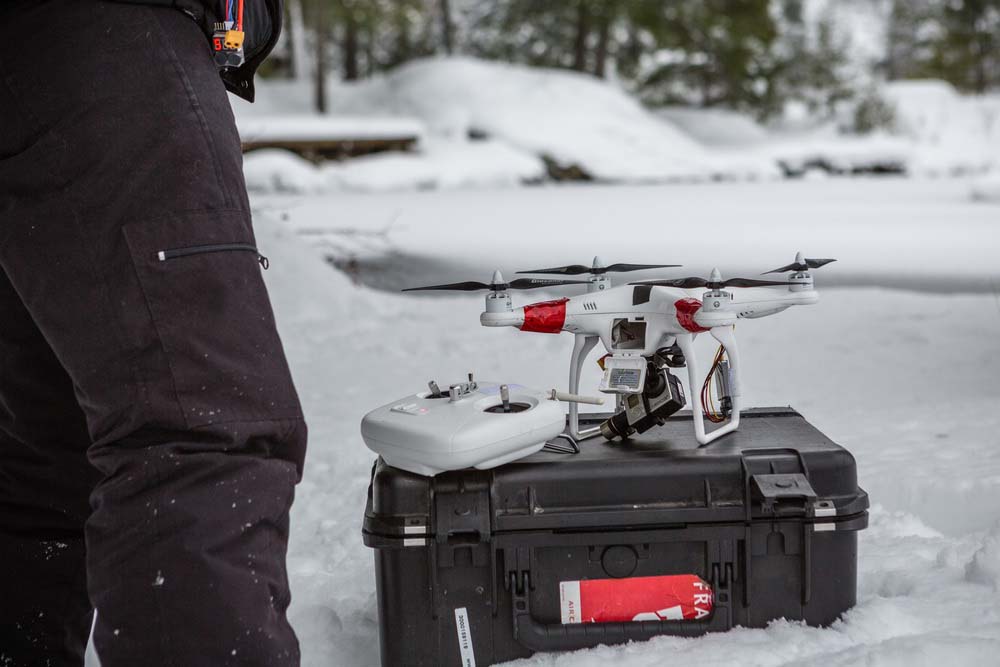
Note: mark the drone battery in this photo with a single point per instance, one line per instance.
(623, 375)
(648, 536)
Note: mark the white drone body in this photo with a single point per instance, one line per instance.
(647, 328)
(634, 321)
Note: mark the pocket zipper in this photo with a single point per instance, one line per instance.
(174, 253)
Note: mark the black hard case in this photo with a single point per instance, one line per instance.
(768, 515)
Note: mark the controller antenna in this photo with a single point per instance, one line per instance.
(505, 397)
(435, 389)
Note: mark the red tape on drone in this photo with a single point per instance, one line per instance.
(686, 309)
(545, 316)
(678, 597)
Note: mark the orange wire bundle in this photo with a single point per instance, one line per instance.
(707, 400)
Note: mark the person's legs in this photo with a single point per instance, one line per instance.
(45, 481)
(110, 218)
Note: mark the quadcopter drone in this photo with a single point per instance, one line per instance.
(647, 328)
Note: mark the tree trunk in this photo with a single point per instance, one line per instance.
(370, 63)
(404, 45)
(297, 36)
(322, 34)
(892, 42)
(582, 32)
(447, 27)
(981, 53)
(603, 37)
(350, 48)
(980, 69)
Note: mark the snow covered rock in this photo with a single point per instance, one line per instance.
(277, 170)
(573, 120)
(438, 164)
(987, 188)
(951, 133)
(716, 127)
(984, 568)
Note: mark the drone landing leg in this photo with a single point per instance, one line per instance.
(582, 345)
(728, 340)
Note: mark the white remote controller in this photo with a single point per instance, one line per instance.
(481, 425)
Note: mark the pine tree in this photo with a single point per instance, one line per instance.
(809, 63)
(913, 25)
(708, 53)
(966, 53)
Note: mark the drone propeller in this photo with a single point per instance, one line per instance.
(598, 268)
(715, 282)
(499, 285)
(801, 264)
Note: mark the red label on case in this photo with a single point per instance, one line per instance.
(664, 598)
(545, 317)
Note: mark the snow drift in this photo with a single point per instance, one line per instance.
(987, 188)
(485, 123)
(489, 123)
(948, 132)
(569, 118)
(438, 164)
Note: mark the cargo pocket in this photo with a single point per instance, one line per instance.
(200, 275)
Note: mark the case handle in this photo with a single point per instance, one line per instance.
(537, 636)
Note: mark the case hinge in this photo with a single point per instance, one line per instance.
(517, 561)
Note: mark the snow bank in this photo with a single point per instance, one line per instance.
(951, 133)
(437, 164)
(304, 127)
(277, 170)
(570, 118)
(984, 568)
(936, 132)
(831, 152)
(716, 127)
(576, 122)
(987, 188)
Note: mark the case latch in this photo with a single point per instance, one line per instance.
(461, 521)
(783, 493)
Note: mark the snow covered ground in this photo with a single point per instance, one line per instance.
(888, 231)
(987, 188)
(907, 380)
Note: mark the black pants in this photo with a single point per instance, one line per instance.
(150, 435)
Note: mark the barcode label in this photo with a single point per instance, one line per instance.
(464, 637)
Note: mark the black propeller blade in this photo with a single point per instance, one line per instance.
(468, 286)
(693, 283)
(578, 269)
(535, 283)
(520, 283)
(804, 265)
(750, 282)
